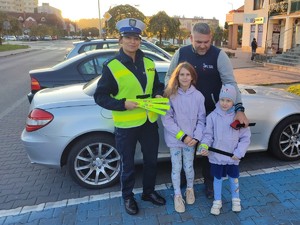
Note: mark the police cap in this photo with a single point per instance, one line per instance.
(130, 27)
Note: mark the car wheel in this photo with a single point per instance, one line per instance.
(285, 139)
(94, 162)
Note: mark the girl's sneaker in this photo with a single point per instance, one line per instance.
(215, 209)
(179, 204)
(190, 196)
(236, 205)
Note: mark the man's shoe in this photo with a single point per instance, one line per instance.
(209, 193)
(154, 197)
(131, 206)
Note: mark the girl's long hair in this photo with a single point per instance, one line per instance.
(173, 83)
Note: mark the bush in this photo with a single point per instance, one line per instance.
(230, 54)
(170, 48)
(295, 89)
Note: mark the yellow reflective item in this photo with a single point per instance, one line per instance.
(179, 134)
(157, 105)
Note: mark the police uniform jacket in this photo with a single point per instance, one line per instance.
(107, 86)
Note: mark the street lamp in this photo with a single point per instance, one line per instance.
(231, 5)
(100, 28)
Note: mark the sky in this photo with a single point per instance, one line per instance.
(78, 9)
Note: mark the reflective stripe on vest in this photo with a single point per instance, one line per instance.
(130, 87)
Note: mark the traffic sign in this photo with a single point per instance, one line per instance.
(107, 16)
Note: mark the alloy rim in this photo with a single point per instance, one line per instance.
(97, 164)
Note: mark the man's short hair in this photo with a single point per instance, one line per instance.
(201, 28)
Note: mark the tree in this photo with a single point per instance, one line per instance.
(184, 33)
(9, 25)
(218, 36)
(226, 26)
(225, 32)
(91, 31)
(159, 24)
(3, 18)
(121, 12)
(40, 30)
(174, 28)
(15, 26)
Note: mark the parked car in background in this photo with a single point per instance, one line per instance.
(65, 127)
(84, 46)
(80, 68)
(47, 38)
(166, 45)
(163, 43)
(33, 38)
(9, 38)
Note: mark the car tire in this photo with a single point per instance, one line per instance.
(285, 139)
(94, 162)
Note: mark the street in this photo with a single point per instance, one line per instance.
(24, 184)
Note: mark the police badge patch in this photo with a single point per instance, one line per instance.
(132, 22)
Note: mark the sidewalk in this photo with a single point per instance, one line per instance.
(268, 197)
(252, 73)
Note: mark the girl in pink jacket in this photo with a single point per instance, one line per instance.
(183, 127)
(220, 135)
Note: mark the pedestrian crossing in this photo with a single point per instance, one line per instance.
(46, 48)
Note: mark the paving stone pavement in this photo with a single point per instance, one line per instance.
(270, 196)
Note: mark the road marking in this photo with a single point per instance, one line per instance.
(11, 108)
(110, 195)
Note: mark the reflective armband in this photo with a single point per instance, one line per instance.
(204, 146)
(179, 135)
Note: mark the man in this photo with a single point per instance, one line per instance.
(130, 75)
(213, 69)
(253, 48)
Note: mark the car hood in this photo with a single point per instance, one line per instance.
(73, 95)
(268, 92)
(63, 96)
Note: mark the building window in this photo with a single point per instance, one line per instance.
(260, 35)
(258, 4)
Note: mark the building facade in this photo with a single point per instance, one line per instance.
(284, 25)
(47, 9)
(235, 20)
(18, 6)
(274, 23)
(188, 23)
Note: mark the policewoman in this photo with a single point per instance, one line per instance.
(131, 75)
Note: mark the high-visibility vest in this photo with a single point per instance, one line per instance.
(129, 88)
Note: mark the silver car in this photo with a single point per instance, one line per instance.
(66, 127)
(88, 45)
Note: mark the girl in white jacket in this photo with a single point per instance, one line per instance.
(183, 127)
